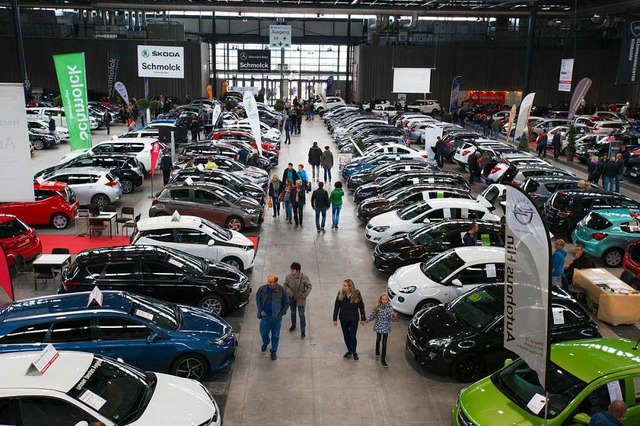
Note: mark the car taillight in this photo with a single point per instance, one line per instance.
(68, 285)
(598, 236)
(465, 152)
(154, 201)
(564, 215)
(112, 184)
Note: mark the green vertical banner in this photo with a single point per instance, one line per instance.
(72, 79)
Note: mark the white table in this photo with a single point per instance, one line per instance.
(47, 264)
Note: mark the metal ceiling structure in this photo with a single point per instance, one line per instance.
(440, 8)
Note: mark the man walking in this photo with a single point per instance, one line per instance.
(287, 131)
(320, 203)
(438, 149)
(315, 157)
(52, 126)
(298, 286)
(556, 143)
(542, 144)
(327, 163)
(273, 302)
(610, 173)
(474, 167)
(166, 165)
(107, 121)
(298, 199)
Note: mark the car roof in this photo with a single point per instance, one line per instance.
(462, 224)
(554, 179)
(85, 170)
(609, 355)
(127, 140)
(591, 192)
(616, 216)
(454, 203)
(478, 253)
(100, 255)
(49, 184)
(64, 373)
(4, 218)
(162, 222)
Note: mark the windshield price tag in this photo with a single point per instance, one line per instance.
(92, 400)
(48, 356)
(143, 314)
(615, 392)
(537, 403)
(464, 213)
(95, 295)
(558, 316)
(200, 167)
(446, 213)
(491, 270)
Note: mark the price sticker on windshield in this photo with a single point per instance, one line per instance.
(92, 400)
(558, 316)
(536, 404)
(145, 315)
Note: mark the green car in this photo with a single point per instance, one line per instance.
(583, 376)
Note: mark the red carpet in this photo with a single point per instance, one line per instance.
(255, 241)
(78, 244)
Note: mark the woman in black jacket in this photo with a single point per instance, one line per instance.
(347, 306)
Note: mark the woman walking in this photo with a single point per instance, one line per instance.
(275, 189)
(302, 175)
(383, 314)
(286, 197)
(336, 204)
(347, 306)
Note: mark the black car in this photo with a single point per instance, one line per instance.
(163, 273)
(220, 149)
(271, 156)
(390, 183)
(541, 188)
(422, 244)
(224, 178)
(566, 208)
(401, 198)
(385, 170)
(465, 338)
(634, 173)
(41, 140)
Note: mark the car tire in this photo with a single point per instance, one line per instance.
(59, 220)
(190, 366)
(427, 303)
(213, 303)
(467, 367)
(234, 261)
(435, 111)
(234, 223)
(613, 257)
(100, 200)
(127, 186)
(38, 145)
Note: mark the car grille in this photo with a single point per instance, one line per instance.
(463, 420)
(391, 293)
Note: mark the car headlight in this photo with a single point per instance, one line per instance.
(439, 342)
(380, 228)
(389, 255)
(247, 248)
(224, 339)
(407, 290)
(252, 211)
(240, 285)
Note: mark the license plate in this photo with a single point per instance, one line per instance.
(633, 174)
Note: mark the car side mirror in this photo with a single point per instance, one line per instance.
(457, 283)
(153, 336)
(582, 419)
(211, 242)
(508, 361)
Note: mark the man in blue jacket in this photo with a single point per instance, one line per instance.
(273, 302)
(557, 262)
(613, 417)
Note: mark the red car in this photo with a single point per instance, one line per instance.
(18, 238)
(55, 205)
(246, 137)
(631, 265)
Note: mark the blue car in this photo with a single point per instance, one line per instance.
(147, 333)
(607, 233)
(366, 163)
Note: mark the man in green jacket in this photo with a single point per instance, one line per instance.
(336, 204)
(298, 286)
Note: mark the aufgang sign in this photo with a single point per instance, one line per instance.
(160, 62)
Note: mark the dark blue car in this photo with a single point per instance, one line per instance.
(147, 333)
(366, 163)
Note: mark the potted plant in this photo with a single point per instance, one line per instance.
(571, 142)
(279, 105)
(154, 106)
(523, 144)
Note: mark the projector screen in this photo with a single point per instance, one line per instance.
(411, 80)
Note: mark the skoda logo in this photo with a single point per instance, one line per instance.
(145, 53)
(243, 56)
(523, 212)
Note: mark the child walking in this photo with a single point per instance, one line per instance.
(383, 314)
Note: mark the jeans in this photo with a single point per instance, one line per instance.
(287, 139)
(303, 319)
(383, 337)
(321, 212)
(608, 183)
(349, 331)
(297, 213)
(287, 209)
(556, 152)
(271, 325)
(335, 214)
(616, 183)
(315, 169)
(327, 174)
(276, 206)
(438, 158)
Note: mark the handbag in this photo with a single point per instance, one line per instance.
(281, 197)
(269, 203)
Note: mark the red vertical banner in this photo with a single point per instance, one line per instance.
(5, 276)
(155, 153)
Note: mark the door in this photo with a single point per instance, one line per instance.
(121, 276)
(474, 275)
(211, 206)
(196, 242)
(182, 202)
(83, 184)
(165, 281)
(46, 411)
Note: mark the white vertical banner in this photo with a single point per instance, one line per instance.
(527, 277)
(122, 91)
(251, 108)
(15, 154)
(523, 116)
(566, 74)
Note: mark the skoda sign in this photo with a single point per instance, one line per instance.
(161, 61)
(254, 60)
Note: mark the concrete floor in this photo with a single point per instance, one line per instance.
(310, 383)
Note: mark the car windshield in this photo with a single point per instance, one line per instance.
(226, 193)
(413, 211)
(520, 384)
(162, 314)
(218, 231)
(191, 264)
(117, 391)
(425, 235)
(478, 308)
(398, 194)
(441, 266)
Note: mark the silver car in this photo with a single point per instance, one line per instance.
(92, 185)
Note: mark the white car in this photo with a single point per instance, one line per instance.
(581, 130)
(608, 127)
(92, 185)
(41, 126)
(140, 147)
(79, 388)
(393, 148)
(384, 110)
(43, 113)
(198, 237)
(461, 156)
(495, 175)
(330, 103)
(426, 106)
(416, 215)
(444, 277)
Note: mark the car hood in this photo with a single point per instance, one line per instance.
(437, 322)
(187, 398)
(256, 171)
(247, 203)
(386, 219)
(197, 321)
(484, 404)
(396, 244)
(222, 271)
(371, 204)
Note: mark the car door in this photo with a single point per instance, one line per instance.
(129, 339)
(26, 337)
(473, 275)
(181, 201)
(164, 280)
(119, 275)
(83, 184)
(73, 335)
(211, 206)
(196, 242)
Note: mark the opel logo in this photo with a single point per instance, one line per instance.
(243, 56)
(523, 212)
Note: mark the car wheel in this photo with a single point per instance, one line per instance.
(100, 200)
(213, 303)
(435, 111)
(235, 224)
(613, 257)
(59, 220)
(233, 261)
(190, 366)
(38, 144)
(467, 368)
(127, 186)
(426, 304)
